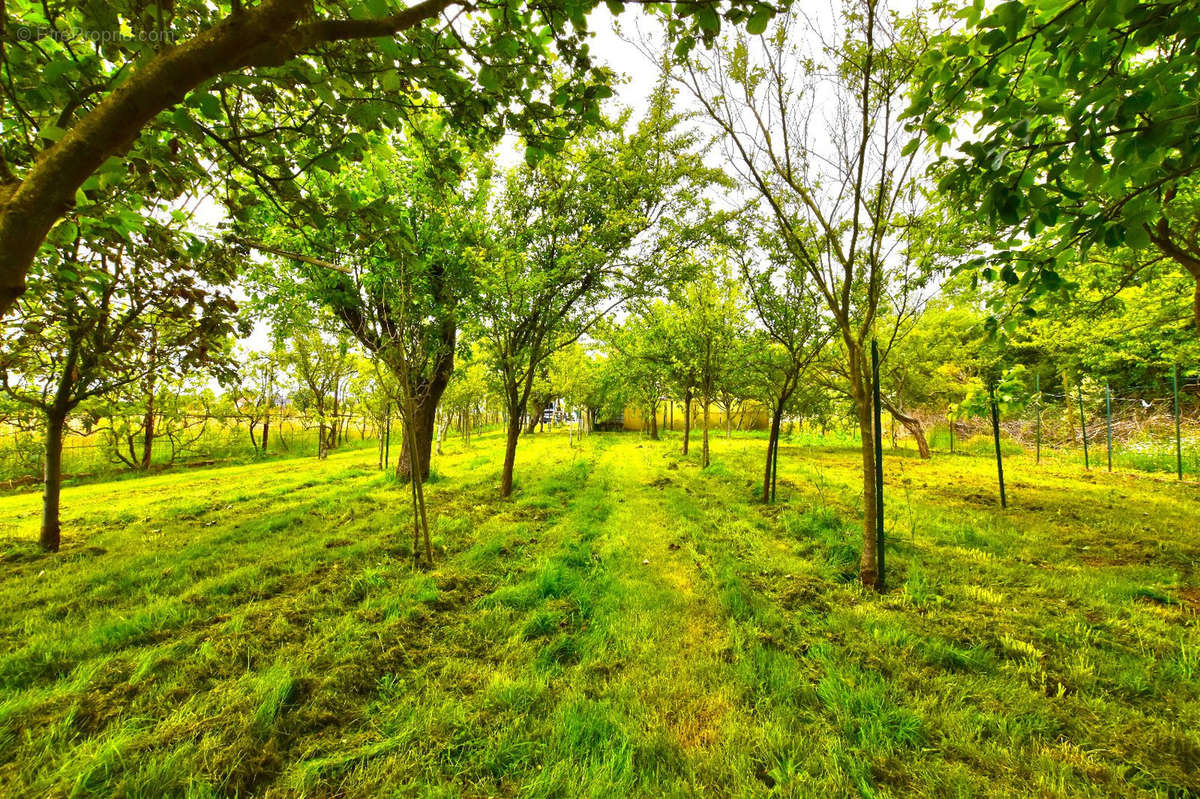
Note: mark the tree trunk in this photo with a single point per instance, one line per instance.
(729, 421)
(148, 432)
(654, 421)
(510, 454)
(416, 484)
(56, 420)
(536, 412)
(687, 419)
(704, 449)
(442, 433)
(772, 453)
(266, 428)
(869, 564)
(913, 425)
(321, 441)
(424, 422)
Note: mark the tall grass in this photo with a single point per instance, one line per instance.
(627, 625)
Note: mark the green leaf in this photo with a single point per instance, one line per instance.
(757, 23)
(56, 69)
(508, 46)
(1136, 236)
(51, 132)
(209, 105)
(534, 154)
(993, 39)
(1012, 16)
(489, 78)
(65, 232)
(387, 45)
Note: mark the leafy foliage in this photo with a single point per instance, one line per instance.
(1081, 119)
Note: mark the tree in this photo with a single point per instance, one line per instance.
(682, 372)
(734, 387)
(466, 393)
(252, 394)
(710, 317)
(577, 375)
(321, 365)
(923, 370)
(816, 138)
(541, 394)
(638, 356)
(791, 333)
(1082, 129)
(109, 313)
(375, 387)
(410, 219)
(271, 85)
(133, 417)
(401, 231)
(578, 235)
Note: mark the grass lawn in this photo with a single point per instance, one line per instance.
(627, 625)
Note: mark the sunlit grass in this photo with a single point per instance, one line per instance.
(626, 625)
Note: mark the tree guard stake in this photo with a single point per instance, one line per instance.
(996, 439)
(774, 467)
(1108, 422)
(1037, 387)
(387, 439)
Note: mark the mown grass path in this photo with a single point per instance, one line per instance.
(626, 625)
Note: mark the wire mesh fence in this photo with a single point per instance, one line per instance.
(97, 447)
(1096, 427)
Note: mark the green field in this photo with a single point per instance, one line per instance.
(627, 625)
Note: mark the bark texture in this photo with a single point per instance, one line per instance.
(269, 33)
(510, 455)
(51, 530)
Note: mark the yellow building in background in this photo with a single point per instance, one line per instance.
(749, 416)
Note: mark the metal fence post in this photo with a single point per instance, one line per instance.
(1108, 422)
(1083, 427)
(1178, 439)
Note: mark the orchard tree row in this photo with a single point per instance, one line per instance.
(1006, 196)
